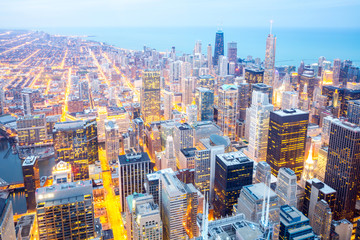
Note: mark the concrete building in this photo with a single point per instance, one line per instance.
(143, 219)
(259, 126)
(286, 187)
(253, 201)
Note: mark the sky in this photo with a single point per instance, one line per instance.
(33, 14)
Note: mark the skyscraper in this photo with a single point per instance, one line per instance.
(7, 229)
(353, 112)
(30, 168)
(315, 190)
(259, 126)
(262, 173)
(287, 137)
(219, 46)
(133, 168)
(187, 91)
(202, 169)
(28, 100)
(259, 204)
(112, 141)
(209, 57)
(269, 63)
(336, 70)
(150, 96)
(286, 187)
(76, 143)
(174, 206)
(168, 105)
(215, 149)
(183, 138)
(343, 166)
(168, 159)
(321, 221)
(66, 211)
(232, 52)
(294, 225)
(204, 99)
(143, 219)
(227, 107)
(233, 171)
(243, 99)
(223, 63)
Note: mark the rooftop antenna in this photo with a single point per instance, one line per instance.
(271, 23)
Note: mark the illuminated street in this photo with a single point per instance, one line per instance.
(111, 202)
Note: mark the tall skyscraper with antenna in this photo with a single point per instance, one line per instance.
(269, 63)
(219, 46)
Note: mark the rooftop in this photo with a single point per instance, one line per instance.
(133, 157)
(234, 158)
(29, 161)
(257, 191)
(324, 188)
(64, 191)
(290, 215)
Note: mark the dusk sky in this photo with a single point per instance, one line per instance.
(157, 13)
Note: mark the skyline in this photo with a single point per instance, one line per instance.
(35, 14)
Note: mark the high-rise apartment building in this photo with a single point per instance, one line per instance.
(286, 143)
(233, 171)
(76, 143)
(133, 168)
(30, 168)
(204, 99)
(143, 219)
(112, 141)
(228, 110)
(259, 126)
(66, 211)
(343, 166)
(150, 96)
(219, 46)
(286, 187)
(28, 96)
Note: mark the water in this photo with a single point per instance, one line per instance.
(293, 45)
(11, 172)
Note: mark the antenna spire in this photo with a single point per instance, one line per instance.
(271, 23)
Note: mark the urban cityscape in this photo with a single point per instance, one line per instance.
(98, 141)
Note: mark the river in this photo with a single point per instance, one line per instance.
(11, 171)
